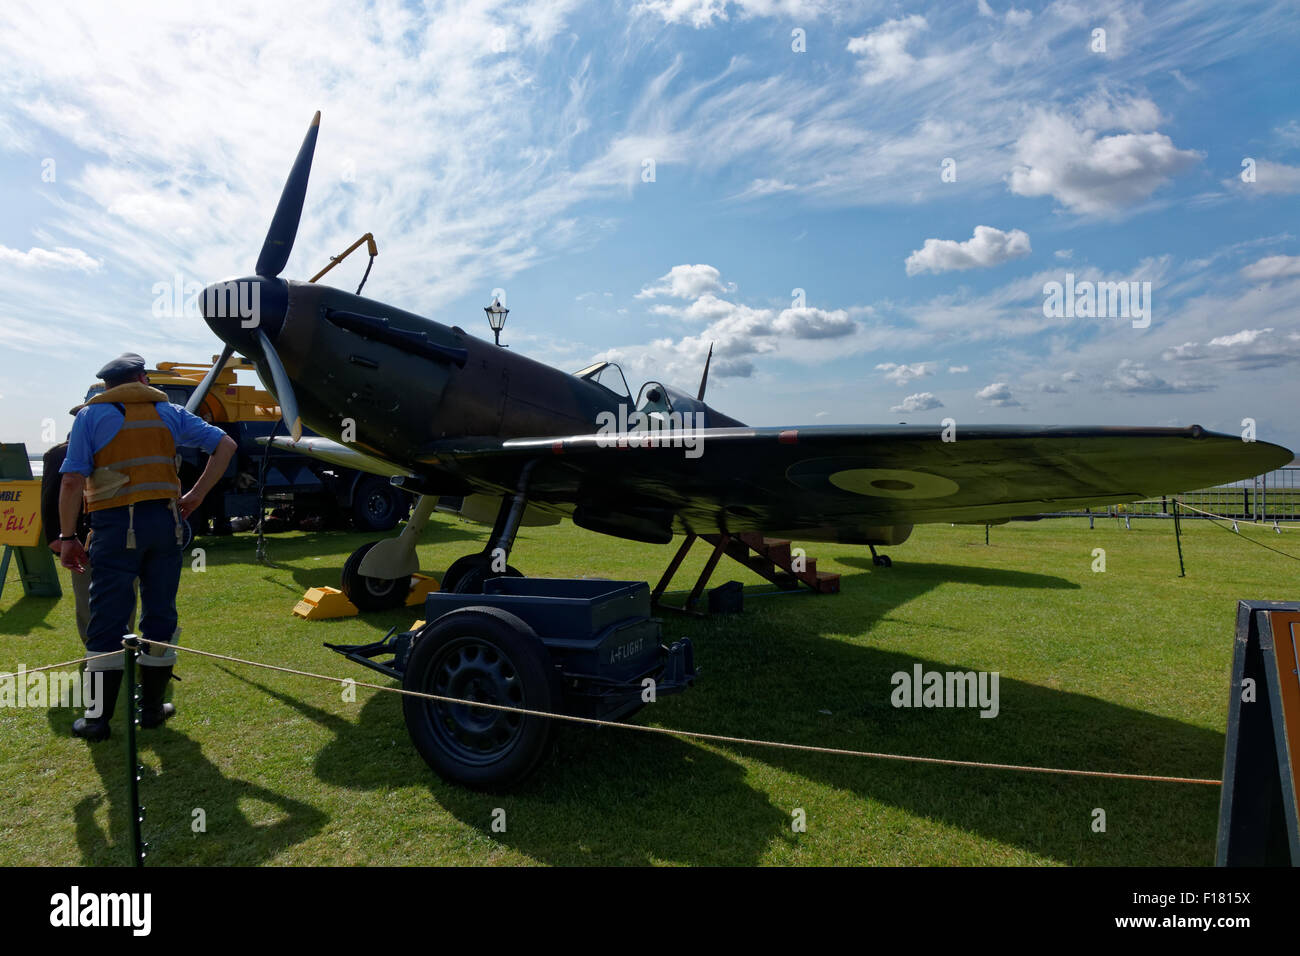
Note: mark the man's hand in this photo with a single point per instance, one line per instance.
(56, 546)
(212, 472)
(190, 502)
(73, 556)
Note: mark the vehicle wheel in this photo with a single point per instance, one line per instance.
(372, 594)
(376, 504)
(882, 561)
(479, 654)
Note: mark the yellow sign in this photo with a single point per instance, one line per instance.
(20, 513)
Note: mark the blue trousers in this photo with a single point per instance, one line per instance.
(155, 560)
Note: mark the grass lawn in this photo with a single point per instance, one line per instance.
(1125, 670)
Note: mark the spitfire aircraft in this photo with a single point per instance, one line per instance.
(447, 415)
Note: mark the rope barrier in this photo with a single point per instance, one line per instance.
(52, 667)
(698, 735)
(1211, 514)
(1267, 547)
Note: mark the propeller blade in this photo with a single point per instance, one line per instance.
(284, 225)
(283, 387)
(200, 393)
(704, 379)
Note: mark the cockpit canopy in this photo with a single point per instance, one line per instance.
(608, 376)
(672, 407)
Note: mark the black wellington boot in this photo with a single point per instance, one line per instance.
(96, 729)
(153, 685)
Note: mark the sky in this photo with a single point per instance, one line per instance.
(863, 206)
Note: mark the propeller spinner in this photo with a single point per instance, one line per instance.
(225, 303)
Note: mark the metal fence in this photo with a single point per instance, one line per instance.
(1274, 496)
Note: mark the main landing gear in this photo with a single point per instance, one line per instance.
(377, 576)
(372, 593)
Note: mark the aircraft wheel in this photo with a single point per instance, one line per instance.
(453, 574)
(882, 561)
(489, 656)
(466, 575)
(372, 594)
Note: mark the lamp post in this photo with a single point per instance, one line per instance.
(496, 316)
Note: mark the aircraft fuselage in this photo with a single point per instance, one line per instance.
(396, 382)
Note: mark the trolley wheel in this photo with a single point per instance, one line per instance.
(486, 655)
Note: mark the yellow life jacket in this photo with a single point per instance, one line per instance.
(139, 463)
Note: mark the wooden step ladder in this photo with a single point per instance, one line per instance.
(772, 558)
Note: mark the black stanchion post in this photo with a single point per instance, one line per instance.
(133, 769)
(1178, 539)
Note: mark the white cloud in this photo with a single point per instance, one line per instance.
(1064, 157)
(732, 368)
(1064, 254)
(920, 402)
(765, 187)
(958, 369)
(1135, 377)
(902, 374)
(685, 282)
(739, 332)
(1273, 267)
(703, 13)
(1270, 179)
(697, 13)
(998, 394)
(884, 50)
(808, 323)
(41, 338)
(987, 247)
(1188, 350)
(1244, 337)
(1103, 111)
(61, 257)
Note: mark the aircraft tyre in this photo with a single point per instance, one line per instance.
(882, 561)
(466, 575)
(371, 594)
(487, 655)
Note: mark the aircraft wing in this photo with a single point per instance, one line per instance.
(338, 454)
(846, 483)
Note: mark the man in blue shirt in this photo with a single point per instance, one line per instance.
(122, 460)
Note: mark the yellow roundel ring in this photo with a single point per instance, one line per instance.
(893, 483)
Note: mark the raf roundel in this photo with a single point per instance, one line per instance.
(892, 483)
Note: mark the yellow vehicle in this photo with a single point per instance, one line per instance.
(227, 400)
(296, 487)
